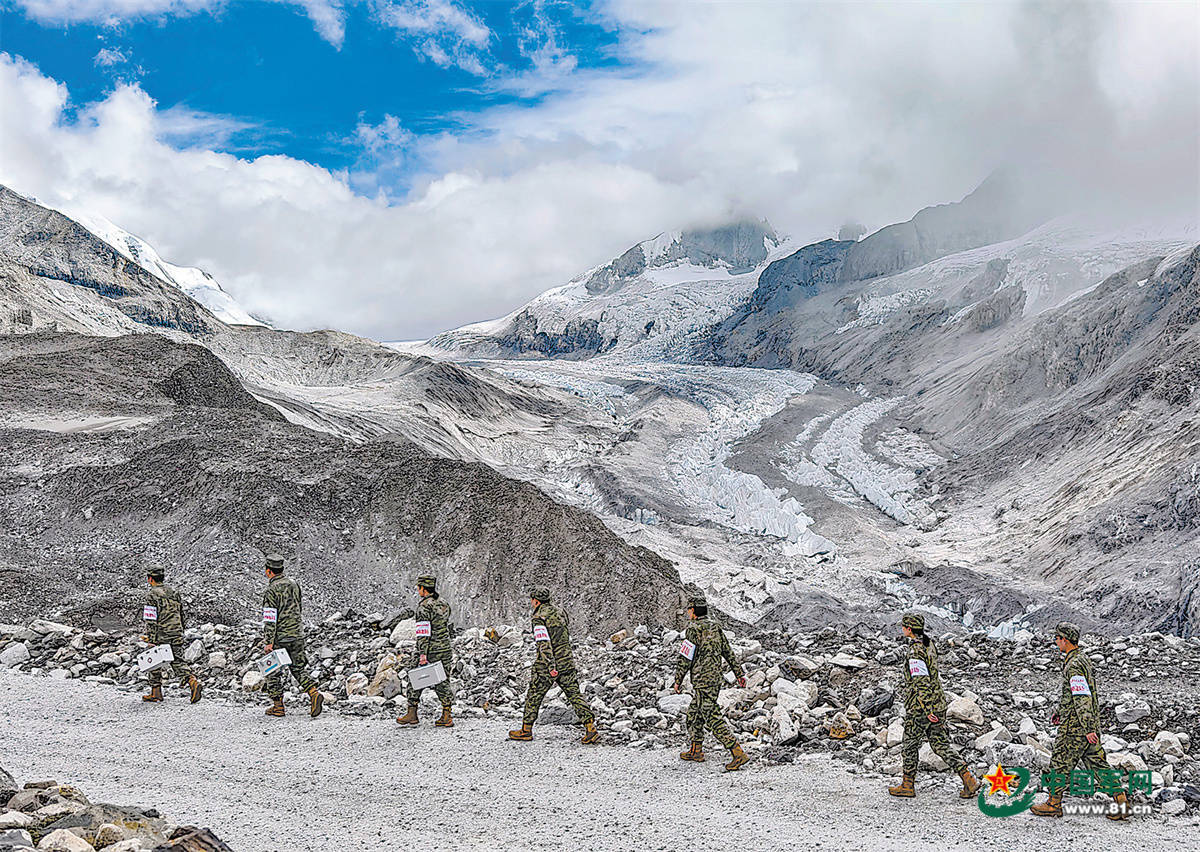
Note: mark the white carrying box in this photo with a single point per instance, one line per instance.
(158, 657)
(425, 676)
(274, 661)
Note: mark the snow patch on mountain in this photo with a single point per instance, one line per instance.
(887, 480)
(1054, 263)
(196, 283)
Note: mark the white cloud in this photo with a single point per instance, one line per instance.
(292, 241)
(107, 57)
(328, 16)
(441, 31)
(787, 111)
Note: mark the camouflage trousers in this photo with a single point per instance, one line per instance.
(298, 669)
(704, 712)
(442, 690)
(917, 729)
(179, 667)
(540, 683)
(1071, 748)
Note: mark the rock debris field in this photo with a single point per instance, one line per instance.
(354, 780)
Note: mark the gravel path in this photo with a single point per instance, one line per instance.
(349, 784)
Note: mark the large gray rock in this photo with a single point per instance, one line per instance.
(14, 655)
(15, 838)
(8, 786)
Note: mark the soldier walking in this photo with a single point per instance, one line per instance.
(282, 629)
(433, 646)
(925, 711)
(704, 652)
(1078, 723)
(162, 615)
(553, 664)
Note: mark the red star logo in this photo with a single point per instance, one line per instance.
(1000, 781)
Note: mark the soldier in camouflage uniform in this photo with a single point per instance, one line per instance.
(554, 664)
(1078, 723)
(163, 617)
(925, 711)
(282, 628)
(704, 653)
(433, 646)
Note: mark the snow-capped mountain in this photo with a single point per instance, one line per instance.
(639, 302)
(195, 282)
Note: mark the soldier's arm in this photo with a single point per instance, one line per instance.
(541, 642)
(270, 615)
(919, 680)
(687, 655)
(425, 618)
(727, 653)
(1082, 700)
(151, 626)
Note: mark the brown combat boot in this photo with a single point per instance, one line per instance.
(1052, 807)
(695, 752)
(739, 759)
(317, 701)
(970, 785)
(409, 718)
(1122, 803)
(905, 790)
(196, 688)
(154, 695)
(276, 708)
(590, 734)
(447, 721)
(524, 735)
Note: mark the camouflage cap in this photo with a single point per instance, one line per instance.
(540, 593)
(696, 600)
(275, 562)
(156, 573)
(1068, 631)
(428, 581)
(913, 621)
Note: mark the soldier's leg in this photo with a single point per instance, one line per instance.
(274, 684)
(539, 685)
(299, 667)
(939, 741)
(568, 682)
(180, 667)
(695, 719)
(714, 721)
(414, 695)
(444, 693)
(1068, 747)
(910, 746)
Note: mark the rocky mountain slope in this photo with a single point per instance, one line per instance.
(122, 453)
(57, 275)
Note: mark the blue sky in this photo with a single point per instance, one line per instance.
(281, 87)
(395, 168)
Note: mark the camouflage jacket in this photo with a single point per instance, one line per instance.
(433, 629)
(704, 652)
(281, 611)
(1079, 705)
(162, 615)
(925, 694)
(552, 639)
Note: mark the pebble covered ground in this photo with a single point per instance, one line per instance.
(803, 692)
(348, 783)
